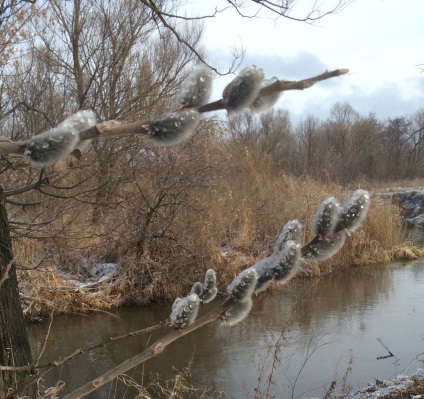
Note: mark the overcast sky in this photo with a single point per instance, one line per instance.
(381, 42)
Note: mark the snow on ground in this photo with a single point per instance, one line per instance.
(382, 388)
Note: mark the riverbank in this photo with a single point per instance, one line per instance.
(208, 205)
(337, 317)
(97, 285)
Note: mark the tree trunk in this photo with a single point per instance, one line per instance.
(14, 345)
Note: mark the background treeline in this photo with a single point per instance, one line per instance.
(165, 215)
(346, 147)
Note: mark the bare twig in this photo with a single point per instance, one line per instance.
(153, 350)
(6, 272)
(46, 338)
(79, 351)
(39, 183)
(387, 349)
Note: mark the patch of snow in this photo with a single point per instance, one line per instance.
(99, 270)
(381, 388)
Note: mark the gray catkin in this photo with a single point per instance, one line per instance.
(196, 88)
(184, 311)
(354, 211)
(51, 146)
(242, 91)
(174, 127)
(327, 217)
(243, 285)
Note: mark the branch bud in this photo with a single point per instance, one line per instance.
(264, 269)
(197, 289)
(292, 231)
(264, 102)
(324, 249)
(289, 263)
(236, 313)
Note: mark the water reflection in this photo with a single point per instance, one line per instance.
(347, 310)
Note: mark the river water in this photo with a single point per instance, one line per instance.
(320, 325)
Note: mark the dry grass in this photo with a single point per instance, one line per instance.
(222, 207)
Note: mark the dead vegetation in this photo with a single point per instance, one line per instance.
(177, 212)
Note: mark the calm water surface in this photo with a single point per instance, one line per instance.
(329, 320)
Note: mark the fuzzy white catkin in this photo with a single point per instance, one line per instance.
(289, 263)
(325, 249)
(243, 285)
(327, 217)
(196, 88)
(209, 288)
(174, 127)
(263, 270)
(242, 91)
(237, 312)
(197, 289)
(292, 231)
(47, 148)
(355, 210)
(263, 102)
(184, 311)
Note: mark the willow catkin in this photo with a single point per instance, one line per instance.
(173, 127)
(51, 146)
(196, 88)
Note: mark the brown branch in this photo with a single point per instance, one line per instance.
(33, 379)
(284, 85)
(10, 147)
(6, 272)
(160, 15)
(40, 182)
(55, 363)
(153, 350)
(46, 338)
(79, 351)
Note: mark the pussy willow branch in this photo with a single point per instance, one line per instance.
(80, 351)
(153, 350)
(55, 363)
(157, 347)
(114, 129)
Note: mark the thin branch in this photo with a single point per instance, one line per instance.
(153, 350)
(46, 338)
(156, 11)
(25, 204)
(39, 183)
(6, 272)
(79, 351)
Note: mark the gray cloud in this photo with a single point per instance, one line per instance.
(387, 101)
(299, 66)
